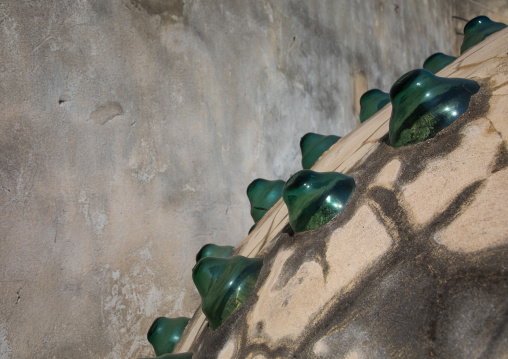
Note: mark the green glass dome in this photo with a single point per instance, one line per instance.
(314, 198)
(263, 194)
(313, 146)
(438, 61)
(213, 250)
(371, 102)
(165, 333)
(224, 284)
(477, 29)
(173, 356)
(423, 104)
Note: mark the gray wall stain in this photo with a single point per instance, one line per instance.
(104, 113)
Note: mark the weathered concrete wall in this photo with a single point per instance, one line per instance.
(130, 130)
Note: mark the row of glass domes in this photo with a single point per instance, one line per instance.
(422, 105)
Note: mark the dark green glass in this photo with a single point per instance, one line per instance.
(263, 194)
(213, 250)
(165, 333)
(438, 61)
(313, 146)
(251, 228)
(477, 29)
(174, 356)
(423, 104)
(314, 198)
(224, 285)
(371, 102)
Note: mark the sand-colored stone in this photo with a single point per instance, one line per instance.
(271, 223)
(351, 250)
(467, 64)
(348, 150)
(483, 223)
(321, 348)
(266, 291)
(229, 350)
(389, 173)
(353, 339)
(352, 355)
(259, 356)
(289, 306)
(496, 115)
(446, 177)
(354, 248)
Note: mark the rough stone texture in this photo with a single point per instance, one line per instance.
(130, 130)
(415, 266)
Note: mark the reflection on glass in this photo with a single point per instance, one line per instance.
(477, 30)
(423, 104)
(313, 146)
(263, 194)
(165, 333)
(371, 102)
(224, 284)
(314, 198)
(438, 61)
(213, 250)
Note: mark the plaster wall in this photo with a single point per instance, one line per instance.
(130, 130)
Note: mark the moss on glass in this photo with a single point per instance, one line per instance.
(263, 194)
(313, 146)
(224, 284)
(314, 198)
(424, 104)
(371, 102)
(438, 61)
(477, 29)
(165, 333)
